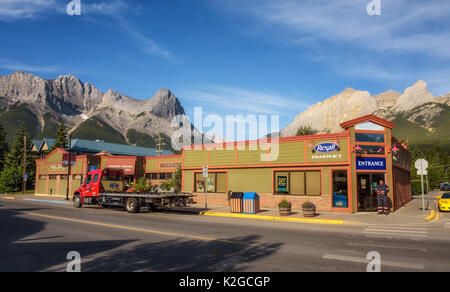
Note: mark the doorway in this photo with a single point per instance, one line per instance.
(367, 199)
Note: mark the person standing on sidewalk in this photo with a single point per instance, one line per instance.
(382, 190)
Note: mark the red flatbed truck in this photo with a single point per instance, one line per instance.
(106, 187)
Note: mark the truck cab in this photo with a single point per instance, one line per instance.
(98, 181)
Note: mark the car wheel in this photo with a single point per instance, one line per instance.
(132, 205)
(77, 202)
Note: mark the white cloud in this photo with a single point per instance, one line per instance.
(402, 27)
(234, 100)
(17, 66)
(11, 10)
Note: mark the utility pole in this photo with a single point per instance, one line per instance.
(24, 176)
(69, 167)
(160, 144)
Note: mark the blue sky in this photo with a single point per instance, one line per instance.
(232, 57)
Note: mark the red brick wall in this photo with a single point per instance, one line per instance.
(323, 203)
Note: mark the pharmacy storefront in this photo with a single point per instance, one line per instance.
(336, 172)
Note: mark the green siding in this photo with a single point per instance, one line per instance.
(41, 186)
(151, 165)
(63, 187)
(195, 158)
(290, 153)
(222, 158)
(251, 157)
(52, 187)
(188, 181)
(250, 180)
(326, 180)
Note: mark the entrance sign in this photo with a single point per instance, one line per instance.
(370, 163)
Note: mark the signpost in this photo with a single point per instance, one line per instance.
(422, 166)
(205, 177)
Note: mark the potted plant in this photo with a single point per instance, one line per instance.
(285, 208)
(309, 209)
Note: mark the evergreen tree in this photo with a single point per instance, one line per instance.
(61, 138)
(15, 155)
(12, 174)
(3, 147)
(305, 131)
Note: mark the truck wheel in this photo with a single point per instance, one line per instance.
(77, 202)
(132, 205)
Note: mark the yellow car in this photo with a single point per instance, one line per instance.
(444, 202)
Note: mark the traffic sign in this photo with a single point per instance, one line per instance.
(25, 176)
(421, 164)
(422, 172)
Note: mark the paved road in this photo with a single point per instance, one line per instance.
(37, 237)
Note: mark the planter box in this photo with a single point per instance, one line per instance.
(309, 212)
(285, 211)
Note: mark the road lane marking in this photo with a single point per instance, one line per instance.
(412, 266)
(144, 230)
(386, 246)
(396, 231)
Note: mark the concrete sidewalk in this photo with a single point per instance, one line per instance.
(409, 214)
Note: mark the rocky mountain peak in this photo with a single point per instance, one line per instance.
(414, 96)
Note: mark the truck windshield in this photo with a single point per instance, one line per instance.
(88, 179)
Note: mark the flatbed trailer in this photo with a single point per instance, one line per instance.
(106, 188)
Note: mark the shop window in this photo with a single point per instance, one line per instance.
(152, 176)
(369, 137)
(169, 175)
(215, 183)
(313, 183)
(282, 182)
(221, 182)
(52, 177)
(65, 177)
(298, 183)
(199, 183)
(42, 177)
(371, 149)
(163, 176)
(340, 189)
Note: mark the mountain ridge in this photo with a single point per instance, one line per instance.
(415, 108)
(67, 99)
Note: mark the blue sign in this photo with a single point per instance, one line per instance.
(370, 163)
(326, 147)
(25, 176)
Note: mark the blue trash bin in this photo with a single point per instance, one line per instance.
(251, 204)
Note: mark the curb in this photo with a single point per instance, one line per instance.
(434, 214)
(275, 218)
(36, 200)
